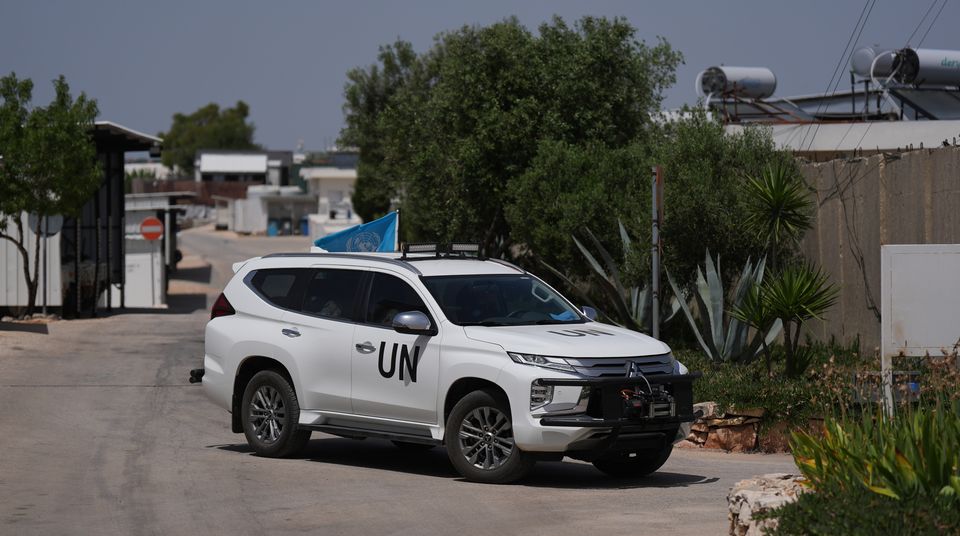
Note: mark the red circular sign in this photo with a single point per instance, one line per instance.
(151, 228)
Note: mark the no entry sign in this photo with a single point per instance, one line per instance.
(151, 228)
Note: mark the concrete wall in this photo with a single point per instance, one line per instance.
(863, 203)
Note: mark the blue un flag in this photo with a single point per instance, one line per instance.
(378, 235)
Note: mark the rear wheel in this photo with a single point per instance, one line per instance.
(479, 439)
(269, 413)
(633, 464)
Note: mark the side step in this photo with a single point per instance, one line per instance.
(362, 433)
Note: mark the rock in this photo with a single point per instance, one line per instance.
(697, 437)
(732, 421)
(760, 495)
(747, 412)
(686, 444)
(6, 319)
(741, 438)
(706, 410)
(699, 426)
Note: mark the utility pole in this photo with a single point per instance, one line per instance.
(657, 210)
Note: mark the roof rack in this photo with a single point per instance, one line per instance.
(432, 250)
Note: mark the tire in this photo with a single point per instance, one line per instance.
(633, 464)
(406, 445)
(479, 438)
(269, 414)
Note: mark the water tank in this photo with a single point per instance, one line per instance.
(927, 66)
(743, 82)
(862, 59)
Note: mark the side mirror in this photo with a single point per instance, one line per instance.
(589, 312)
(413, 322)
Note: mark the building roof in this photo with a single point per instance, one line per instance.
(827, 139)
(236, 162)
(325, 172)
(115, 136)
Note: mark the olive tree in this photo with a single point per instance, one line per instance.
(48, 164)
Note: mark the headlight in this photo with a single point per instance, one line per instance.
(554, 363)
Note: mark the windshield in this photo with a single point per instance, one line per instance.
(499, 300)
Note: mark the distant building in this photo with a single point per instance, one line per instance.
(146, 168)
(86, 259)
(331, 177)
(253, 167)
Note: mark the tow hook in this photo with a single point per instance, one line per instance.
(196, 375)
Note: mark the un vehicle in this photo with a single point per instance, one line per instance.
(440, 347)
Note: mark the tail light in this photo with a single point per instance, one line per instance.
(221, 307)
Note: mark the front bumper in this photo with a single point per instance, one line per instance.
(610, 427)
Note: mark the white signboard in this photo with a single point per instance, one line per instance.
(919, 303)
(919, 299)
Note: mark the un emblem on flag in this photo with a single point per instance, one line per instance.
(364, 242)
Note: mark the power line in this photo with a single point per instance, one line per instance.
(919, 24)
(934, 21)
(861, 23)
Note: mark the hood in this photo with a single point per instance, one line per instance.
(591, 339)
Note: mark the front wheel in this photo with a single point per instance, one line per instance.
(270, 412)
(479, 439)
(633, 464)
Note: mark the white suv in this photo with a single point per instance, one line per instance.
(438, 349)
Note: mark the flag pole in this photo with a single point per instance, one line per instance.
(396, 236)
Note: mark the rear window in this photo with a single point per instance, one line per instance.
(333, 293)
(280, 286)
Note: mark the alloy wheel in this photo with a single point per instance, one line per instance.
(486, 438)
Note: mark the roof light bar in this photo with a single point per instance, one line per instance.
(464, 247)
(422, 247)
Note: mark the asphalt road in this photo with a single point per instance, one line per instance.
(100, 433)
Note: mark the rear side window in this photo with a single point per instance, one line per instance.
(282, 287)
(390, 295)
(333, 294)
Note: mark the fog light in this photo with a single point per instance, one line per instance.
(540, 395)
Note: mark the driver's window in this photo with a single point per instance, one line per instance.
(389, 296)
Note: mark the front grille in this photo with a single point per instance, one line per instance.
(608, 367)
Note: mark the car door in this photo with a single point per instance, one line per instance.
(321, 333)
(394, 374)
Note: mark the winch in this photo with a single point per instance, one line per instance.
(651, 403)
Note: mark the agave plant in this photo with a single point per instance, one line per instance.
(723, 336)
(632, 304)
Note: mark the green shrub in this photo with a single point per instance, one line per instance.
(788, 400)
(880, 475)
(860, 512)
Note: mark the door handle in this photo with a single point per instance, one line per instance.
(366, 348)
(290, 332)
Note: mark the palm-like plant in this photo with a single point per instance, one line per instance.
(723, 336)
(753, 311)
(780, 209)
(797, 294)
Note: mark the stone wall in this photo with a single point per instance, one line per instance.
(862, 203)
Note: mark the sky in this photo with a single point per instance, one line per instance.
(145, 61)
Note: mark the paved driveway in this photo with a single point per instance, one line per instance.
(101, 434)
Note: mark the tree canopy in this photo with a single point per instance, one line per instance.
(48, 161)
(519, 140)
(447, 132)
(207, 128)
